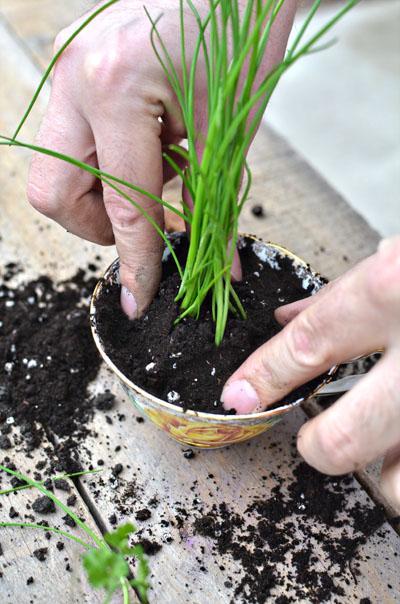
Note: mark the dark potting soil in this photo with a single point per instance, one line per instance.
(283, 527)
(301, 538)
(181, 363)
(47, 360)
(44, 505)
(41, 553)
(275, 535)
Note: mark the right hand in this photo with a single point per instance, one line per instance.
(352, 316)
(108, 98)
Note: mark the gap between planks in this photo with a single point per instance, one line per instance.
(367, 478)
(355, 237)
(51, 578)
(22, 20)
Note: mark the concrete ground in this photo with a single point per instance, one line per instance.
(341, 109)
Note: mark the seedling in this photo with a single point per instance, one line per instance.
(105, 560)
(232, 46)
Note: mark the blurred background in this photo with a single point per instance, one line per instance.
(341, 109)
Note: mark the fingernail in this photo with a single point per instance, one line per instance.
(241, 396)
(281, 320)
(236, 273)
(128, 303)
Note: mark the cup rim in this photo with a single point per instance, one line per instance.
(214, 417)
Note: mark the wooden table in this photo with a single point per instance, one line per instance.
(305, 215)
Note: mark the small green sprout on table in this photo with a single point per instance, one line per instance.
(106, 560)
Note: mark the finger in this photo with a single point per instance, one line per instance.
(168, 171)
(358, 428)
(59, 190)
(327, 332)
(133, 154)
(391, 477)
(173, 223)
(286, 313)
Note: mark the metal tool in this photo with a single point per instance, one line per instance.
(340, 386)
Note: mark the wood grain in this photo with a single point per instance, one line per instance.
(302, 213)
(53, 581)
(154, 466)
(27, 237)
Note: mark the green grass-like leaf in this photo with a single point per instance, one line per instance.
(61, 476)
(227, 42)
(105, 562)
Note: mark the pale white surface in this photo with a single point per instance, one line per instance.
(341, 110)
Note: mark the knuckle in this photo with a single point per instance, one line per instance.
(338, 446)
(383, 283)
(109, 65)
(266, 375)
(40, 199)
(307, 346)
(60, 40)
(101, 70)
(121, 213)
(62, 37)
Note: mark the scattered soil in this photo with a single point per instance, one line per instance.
(143, 514)
(258, 211)
(181, 363)
(150, 548)
(44, 505)
(300, 537)
(47, 360)
(13, 512)
(71, 500)
(275, 535)
(41, 553)
(309, 525)
(5, 442)
(312, 526)
(62, 485)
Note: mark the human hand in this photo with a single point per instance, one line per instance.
(354, 315)
(111, 106)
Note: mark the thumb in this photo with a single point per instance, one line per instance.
(137, 158)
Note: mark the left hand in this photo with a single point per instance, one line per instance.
(354, 315)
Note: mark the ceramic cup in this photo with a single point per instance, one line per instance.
(198, 429)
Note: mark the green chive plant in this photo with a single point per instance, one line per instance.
(231, 44)
(105, 560)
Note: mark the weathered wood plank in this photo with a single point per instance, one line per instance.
(60, 577)
(154, 466)
(301, 211)
(20, 223)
